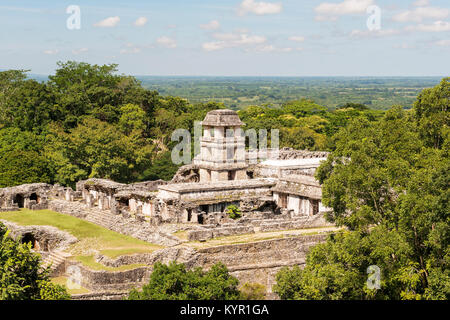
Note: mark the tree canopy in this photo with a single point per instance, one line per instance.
(387, 183)
(175, 282)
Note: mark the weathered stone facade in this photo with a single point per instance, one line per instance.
(30, 196)
(222, 148)
(278, 193)
(199, 193)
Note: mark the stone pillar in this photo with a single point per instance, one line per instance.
(113, 206)
(310, 207)
(204, 175)
(241, 175)
(101, 199)
(67, 194)
(89, 200)
(107, 202)
(223, 176)
(215, 176)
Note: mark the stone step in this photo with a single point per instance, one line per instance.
(54, 260)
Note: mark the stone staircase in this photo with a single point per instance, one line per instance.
(129, 226)
(55, 260)
(101, 217)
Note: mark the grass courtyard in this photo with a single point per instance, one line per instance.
(91, 236)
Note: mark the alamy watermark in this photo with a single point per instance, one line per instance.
(374, 20)
(75, 277)
(374, 278)
(73, 22)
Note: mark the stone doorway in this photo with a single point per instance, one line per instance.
(19, 199)
(29, 238)
(34, 197)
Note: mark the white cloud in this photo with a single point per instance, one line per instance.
(213, 46)
(443, 43)
(167, 42)
(131, 49)
(226, 36)
(297, 38)
(268, 48)
(241, 30)
(108, 22)
(421, 3)
(79, 51)
(404, 46)
(141, 21)
(421, 13)
(438, 26)
(374, 33)
(51, 52)
(212, 25)
(331, 11)
(259, 8)
(233, 40)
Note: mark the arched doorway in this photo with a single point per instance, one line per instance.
(19, 200)
(29, 238)
(34, 197)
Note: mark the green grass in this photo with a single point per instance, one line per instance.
(91, 236)
(114, 253)
(89, 261)
(63, 282)
(260, 236)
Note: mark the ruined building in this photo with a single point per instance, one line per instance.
(275, 191)
(282, 185)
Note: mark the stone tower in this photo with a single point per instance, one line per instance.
(222, 148)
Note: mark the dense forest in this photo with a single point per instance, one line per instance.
(379, 93)
(388, 185)
(387, 177)
(87, 121)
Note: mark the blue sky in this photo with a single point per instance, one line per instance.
(231, 38)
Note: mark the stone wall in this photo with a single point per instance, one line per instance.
(75, 209)
(259, 262)
(184, 255)
(257, 225)
(100, 280)
(316, 221)
(258, 253)
(195, 235)
(256, 262)
(102, 295)
(48, 238)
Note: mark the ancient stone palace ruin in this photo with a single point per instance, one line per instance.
(275, 192)
(200, 192)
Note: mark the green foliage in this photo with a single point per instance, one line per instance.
(304, 124)
(332, 92)
(174, 282)
(161, 167)
(337, 269)
(253, 291)
(132, 118)
(20, 158)
(233, 212)
(432, 113)
(88, 121)
(96, 149)
(21, 275)
(387, 182)
(19, 167)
